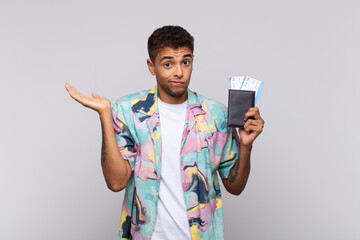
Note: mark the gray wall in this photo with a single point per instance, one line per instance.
(305, 177)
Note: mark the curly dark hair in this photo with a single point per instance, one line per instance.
(169, 36)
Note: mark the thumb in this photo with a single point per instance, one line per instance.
(95, 95)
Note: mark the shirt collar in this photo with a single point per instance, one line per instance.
(194, 103)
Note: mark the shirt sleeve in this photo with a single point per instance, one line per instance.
(230, 154)
(124, 138)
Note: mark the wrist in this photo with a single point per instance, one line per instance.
(105, 112)
(245, 149)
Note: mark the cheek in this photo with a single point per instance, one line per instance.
(188, 72)
(162, 76)
(165, 75)
(188, 69)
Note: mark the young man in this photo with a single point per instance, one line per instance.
(168, 147)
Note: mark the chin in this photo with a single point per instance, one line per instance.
(178, 93)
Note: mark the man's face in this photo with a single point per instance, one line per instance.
(172, 69)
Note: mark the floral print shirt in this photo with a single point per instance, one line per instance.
(208, 148)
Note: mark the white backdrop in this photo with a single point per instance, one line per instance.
(305, 177)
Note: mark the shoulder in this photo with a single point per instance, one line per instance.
(211, 106)
(215, 112)
(127, 101)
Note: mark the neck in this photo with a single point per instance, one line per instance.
(172, 99)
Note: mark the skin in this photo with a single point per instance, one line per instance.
(172, 69)
(239, 173)
(116, 170)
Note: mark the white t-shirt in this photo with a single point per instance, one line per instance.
(171, 219)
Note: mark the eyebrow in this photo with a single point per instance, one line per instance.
(187, 55)
(168, 57)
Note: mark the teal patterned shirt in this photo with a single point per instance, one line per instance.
(208, 149)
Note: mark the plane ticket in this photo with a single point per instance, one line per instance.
(247, 83)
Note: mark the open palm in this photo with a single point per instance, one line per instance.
(97, 103)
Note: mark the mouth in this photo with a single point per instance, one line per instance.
(176, 83)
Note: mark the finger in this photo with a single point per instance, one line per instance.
(70, 90)
(252, 129)
(248, 129)
(247, 123)
(78, 96)
(249, 114)
(74, 94)
(253, 126)
(253, 113)
(67, 86)
(256, 122)
(74, 91)
(95, 95)
(253, 122)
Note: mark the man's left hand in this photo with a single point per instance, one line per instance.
(252, 128)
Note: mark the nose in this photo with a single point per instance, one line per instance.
(178, 72)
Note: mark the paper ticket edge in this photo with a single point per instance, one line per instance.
(243, 80)
(259, 92)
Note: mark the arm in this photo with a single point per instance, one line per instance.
(117, 171)
(239, 173)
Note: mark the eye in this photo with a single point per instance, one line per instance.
(167, 64)
(186, 62)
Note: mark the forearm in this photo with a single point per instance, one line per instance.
(239, 173)
(116, 170)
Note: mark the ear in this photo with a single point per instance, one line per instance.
(151, 66)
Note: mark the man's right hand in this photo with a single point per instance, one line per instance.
(117, 171)
(97, 103)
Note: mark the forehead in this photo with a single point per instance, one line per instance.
(173, 52)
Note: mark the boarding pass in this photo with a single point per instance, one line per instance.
(247, 83)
